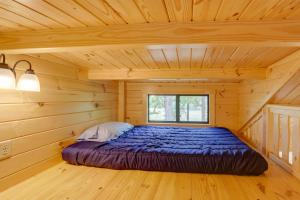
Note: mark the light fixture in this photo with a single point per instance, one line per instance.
(27, 81)
(7, 76)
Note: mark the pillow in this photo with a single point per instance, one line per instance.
(115, 128)
(104, 132)
(92, 134)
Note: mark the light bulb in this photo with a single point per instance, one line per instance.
(29, 82)
(7, 79)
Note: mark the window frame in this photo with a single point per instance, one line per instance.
(177, 99)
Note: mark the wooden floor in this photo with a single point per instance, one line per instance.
(65, 181)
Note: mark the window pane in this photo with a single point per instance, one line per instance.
(162, 108)
(193, 108)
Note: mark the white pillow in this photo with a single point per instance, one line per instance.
(92, 134)
(115, 128)
(104, 132)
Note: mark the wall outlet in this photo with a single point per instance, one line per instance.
(5, 149)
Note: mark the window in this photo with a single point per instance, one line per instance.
(178, 108)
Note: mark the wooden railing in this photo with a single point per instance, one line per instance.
(275, 132)
(253, 132)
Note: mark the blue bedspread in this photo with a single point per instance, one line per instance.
(179, 149)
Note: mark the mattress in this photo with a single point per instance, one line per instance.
(174, 149)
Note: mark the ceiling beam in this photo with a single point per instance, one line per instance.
(273, 33)
(210, 73)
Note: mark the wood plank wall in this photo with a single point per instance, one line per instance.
(289, 94)
(254, 95)
(224, 96)
(40, 124)
(293, 98)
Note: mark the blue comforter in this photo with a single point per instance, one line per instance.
(178, 149)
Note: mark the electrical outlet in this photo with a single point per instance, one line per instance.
(5, 149)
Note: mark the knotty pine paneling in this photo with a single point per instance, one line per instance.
(52, 14)
(253, 95)
(40, 124)
(224, 96)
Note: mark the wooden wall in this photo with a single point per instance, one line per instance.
(40, 124)
(254, 95)
(293, 98)
(289, 94)
(224, 96)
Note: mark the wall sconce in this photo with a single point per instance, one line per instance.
(27, 81)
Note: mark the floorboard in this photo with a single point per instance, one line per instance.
(69, 182)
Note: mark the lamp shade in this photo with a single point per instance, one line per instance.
(29, 82)
(7, 79)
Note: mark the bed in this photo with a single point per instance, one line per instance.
(174, 149)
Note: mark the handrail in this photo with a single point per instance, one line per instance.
(253, 118)
(283, 106)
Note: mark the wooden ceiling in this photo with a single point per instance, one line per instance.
(150, 31)
(172, 58)
(51, 14)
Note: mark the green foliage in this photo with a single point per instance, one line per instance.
(156, 101)
(193, 100)
(163, 107)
